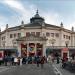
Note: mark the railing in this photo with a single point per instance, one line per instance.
(59, 47)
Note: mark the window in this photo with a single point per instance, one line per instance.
(33, 33)
(57, 34)
(69, 37)
(64, 36)
(11, 35)
(37, 33)
(27, 33)
(47, 34)
(52, 34)
(3, 38)
(19, 34)
(14, 35)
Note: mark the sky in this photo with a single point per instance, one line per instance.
(12, 12)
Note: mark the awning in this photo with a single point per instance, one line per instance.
(13, 50)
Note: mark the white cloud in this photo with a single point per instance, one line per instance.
(14, 4)
(25, 12)
(22, 12)
(19, 8)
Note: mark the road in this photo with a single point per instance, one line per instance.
(29, 69)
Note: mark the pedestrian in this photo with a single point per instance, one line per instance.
(42, 61)
(24, 60)
(38, 61)
(20, 61)
(12, 60)
(58, 60)
(15, 61)
(5, 60)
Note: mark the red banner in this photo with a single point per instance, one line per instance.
(23, 50)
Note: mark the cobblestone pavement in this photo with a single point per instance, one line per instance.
(4, 68)
(61, 70)
(29, 69)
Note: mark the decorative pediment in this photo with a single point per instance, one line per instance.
(32, 38)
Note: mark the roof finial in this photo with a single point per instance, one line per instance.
(37, 11)
(61, 24)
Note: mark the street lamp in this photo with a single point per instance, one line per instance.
(52, 41)
(66, 42)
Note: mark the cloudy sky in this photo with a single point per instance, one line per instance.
(12, 12)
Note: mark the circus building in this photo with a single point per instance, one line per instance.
(37, 38)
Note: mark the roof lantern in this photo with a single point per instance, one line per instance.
(22, 22)
(36, 18)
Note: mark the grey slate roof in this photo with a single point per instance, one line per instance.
(32, 25)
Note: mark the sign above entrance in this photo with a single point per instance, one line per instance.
(32, 38)
(65, 49)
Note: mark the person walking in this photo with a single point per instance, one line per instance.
(37, 61)
(21, 61)
(42, 61)
(5, 60)
(58, 60)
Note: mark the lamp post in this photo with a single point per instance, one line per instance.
(66, 42)
(52, 41)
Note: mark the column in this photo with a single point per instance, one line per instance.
(61, 38)
(35, 49)
(68, 54)
(44, 49)
(27, 49)
(19, 50)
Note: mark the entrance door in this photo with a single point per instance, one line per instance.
(64, 55)
(39, 52)
(39, 49)
(31, 54)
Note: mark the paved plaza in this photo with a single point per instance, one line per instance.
(60, 70)
(29, 69)
(32, 69)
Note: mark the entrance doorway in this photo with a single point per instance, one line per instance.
(39, 49)
(64, 55)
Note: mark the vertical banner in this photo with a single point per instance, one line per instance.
(23, 50)
(32, 47)
(1, 55)
(65, 53)
(39, 49)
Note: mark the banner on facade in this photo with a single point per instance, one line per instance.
(65, 49)
(31, 47)
(23, 50)
(1, 55)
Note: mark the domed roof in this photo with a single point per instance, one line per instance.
(37, 18)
